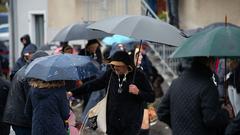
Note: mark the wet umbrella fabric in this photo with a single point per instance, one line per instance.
(221, 41)
(189, 33)
(116, 39)
(79, 31)
(140, 28)
(62, 67)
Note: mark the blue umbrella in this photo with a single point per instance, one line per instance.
(62, 67)
(116, 39)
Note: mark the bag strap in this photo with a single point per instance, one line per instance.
(85, 120)
(109, 83)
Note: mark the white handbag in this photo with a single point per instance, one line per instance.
(100, 111)
(234, 98)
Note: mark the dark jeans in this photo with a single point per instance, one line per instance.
(21, 130)
(4, 129)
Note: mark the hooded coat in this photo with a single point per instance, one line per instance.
(191, 105)
(17, 97)
(30, 48)
(49, 109)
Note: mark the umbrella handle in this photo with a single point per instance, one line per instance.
(226, 100)
(136, 64)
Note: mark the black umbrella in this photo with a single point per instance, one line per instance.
(78, 31)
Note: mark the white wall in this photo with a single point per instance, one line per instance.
(199, 13)
(24, 10)
(60, 13)
(65, 12)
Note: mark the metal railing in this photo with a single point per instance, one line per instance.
(159, 53)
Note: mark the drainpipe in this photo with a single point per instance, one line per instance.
(126, 7)
(12, 32)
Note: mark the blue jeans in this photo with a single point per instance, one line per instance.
(21, 130)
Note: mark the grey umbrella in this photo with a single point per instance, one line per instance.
(78, 31)
(141, 28)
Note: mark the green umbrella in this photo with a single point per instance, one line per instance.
(222, 41)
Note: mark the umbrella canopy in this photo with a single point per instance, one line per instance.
(116, 39)
(78, 31)
(62, 67)
(190, 32)
(221, 41)
(140, 28)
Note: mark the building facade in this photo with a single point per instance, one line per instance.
(199, 13)
(42, 19)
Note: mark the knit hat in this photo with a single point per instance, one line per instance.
(120, 58)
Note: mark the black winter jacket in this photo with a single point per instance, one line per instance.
(191, 105)
(124, 110)
(4, 89)
(17, 97)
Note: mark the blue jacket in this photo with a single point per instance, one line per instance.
(49, 108)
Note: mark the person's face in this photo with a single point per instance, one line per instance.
(28, 57)
(232, 64)
(69, 51)
(24, 41)
(120, 69)
(121, 47)
(92, 48)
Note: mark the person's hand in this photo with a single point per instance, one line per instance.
(229, 109)
(78, 125)
(133, 89)
(69, 94)
(79, 83)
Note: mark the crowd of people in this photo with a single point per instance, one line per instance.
(191, 106)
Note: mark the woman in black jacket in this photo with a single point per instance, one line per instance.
(126, 97)
(191, 105)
